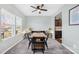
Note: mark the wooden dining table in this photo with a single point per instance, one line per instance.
(38, 45)
(38, 35)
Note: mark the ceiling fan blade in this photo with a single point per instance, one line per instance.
(43, 9)
(42, 5)
(34, 10)
(33, 7)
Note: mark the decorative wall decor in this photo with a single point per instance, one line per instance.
(74, 15)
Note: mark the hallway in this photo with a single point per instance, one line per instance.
(54, 48)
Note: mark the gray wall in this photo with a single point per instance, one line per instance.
(38, 22)
(70, 34)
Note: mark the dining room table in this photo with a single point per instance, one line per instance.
(38, 35)
(38, 42)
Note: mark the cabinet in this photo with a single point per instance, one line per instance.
(58, 36)
(58, 30)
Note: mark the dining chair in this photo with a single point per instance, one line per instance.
(46, 39)
(38, 45)
(27, 36)
(29, 39)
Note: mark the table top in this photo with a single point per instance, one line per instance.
(38, 35)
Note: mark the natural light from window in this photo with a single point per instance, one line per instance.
(10, 25)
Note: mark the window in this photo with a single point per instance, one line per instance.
(7, 24)
(10, 25)
(18, 25)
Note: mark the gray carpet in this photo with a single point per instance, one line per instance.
(54, 48)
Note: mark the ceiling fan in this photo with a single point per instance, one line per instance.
(39, 8)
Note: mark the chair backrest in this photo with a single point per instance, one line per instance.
(25, 35)
(47, 34)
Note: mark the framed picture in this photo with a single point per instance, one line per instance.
(74, 16)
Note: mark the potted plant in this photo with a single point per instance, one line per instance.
(30, 29)
(49, 30)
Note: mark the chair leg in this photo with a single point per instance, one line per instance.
(25, 38)
(33, 52)
(46, 45)
(29, 44)
(43, 51)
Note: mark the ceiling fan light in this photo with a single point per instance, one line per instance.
(38, 10)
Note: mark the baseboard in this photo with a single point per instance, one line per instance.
(69, 48)
(12, 46)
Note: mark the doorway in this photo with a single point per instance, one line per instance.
(58, 27)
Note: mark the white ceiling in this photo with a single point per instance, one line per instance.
(27, 10)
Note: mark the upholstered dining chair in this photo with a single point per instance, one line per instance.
(38, 45)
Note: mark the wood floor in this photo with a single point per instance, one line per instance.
(54, 48)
